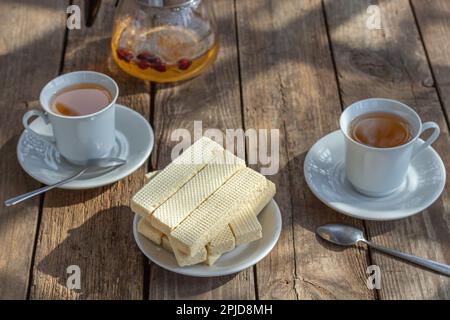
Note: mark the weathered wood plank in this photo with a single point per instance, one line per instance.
(391, 63)
(288, 83)
(212, 98)
(93, 228)
(27, 32)
(433, 18)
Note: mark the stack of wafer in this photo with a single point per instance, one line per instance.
(203, 204)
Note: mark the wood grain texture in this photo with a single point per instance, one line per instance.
(93, 228)
(391, 63)
(433, 20)
(288, 83)
(212, 98)
(27, 30)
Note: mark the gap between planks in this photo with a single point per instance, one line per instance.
(341, 101)
(42, 196)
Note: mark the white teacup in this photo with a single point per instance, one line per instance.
(78, 138)
(378, 172)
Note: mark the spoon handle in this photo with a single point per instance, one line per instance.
(28, 195)
(430, 264)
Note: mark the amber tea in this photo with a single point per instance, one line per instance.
(381, 130)
(80, 99)
(164, 54)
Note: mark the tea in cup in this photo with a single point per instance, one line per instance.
(80, 100)
(381, 140)
(80, 106)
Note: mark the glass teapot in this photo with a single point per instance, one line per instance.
(164, 40)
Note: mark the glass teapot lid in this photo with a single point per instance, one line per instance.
(168, 3)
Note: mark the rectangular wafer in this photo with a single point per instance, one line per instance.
(149, 232)
(168, 181)
(178, 207)
(221, 245)
(166, 244)
(211, 259)
(245, 225)
(187, 260)
(247, 188)
(223, 242)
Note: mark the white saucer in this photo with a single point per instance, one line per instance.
(42, 161)
(324, 170)
(240, 258)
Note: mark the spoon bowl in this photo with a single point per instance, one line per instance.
(340, 234)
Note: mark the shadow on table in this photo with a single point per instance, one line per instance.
(308, 211)
(168, 285)
(387, 62)
(89, 48)
(8, 159)
(103, 247)
(14, 181)
(59, 197)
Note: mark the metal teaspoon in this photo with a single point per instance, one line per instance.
(344, 235)
(94, 163)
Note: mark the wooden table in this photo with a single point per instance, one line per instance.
(290, 65)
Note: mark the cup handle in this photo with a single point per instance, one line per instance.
(426, 126)
(36, 113)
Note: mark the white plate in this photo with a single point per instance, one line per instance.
(240, 258)
(42, 161)
(324, 170)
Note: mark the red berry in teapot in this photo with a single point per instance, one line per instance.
(145, 55)
(144, 64)
(124, 54)
(161, 67)
(184, 64)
